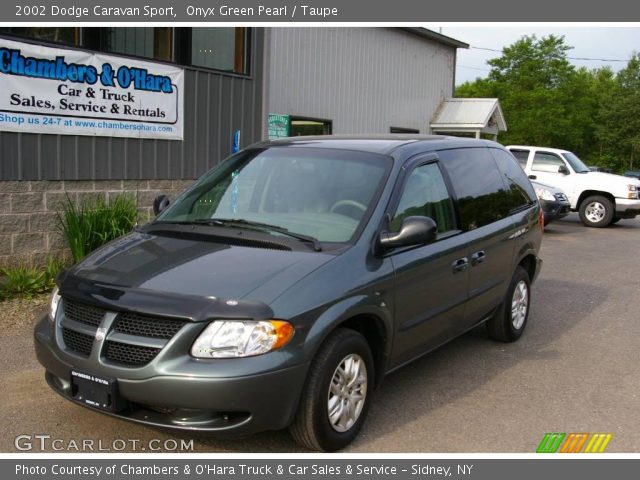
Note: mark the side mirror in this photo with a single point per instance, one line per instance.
(563, 170)
(413, 231)
(160, 203)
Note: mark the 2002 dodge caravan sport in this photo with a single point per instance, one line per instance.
(280, 288)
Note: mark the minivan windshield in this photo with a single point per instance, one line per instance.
(577, 164)
(321, 194)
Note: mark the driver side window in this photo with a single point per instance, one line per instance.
(546, 162)
(425, 194)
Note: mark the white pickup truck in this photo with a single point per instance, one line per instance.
(600, 198)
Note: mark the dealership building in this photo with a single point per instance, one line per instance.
(101, 111)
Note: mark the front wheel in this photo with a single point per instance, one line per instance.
(337, 394)
(509, 321)
(596, 211)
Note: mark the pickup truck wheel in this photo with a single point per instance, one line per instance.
(509, 321)
(596, 211)
(337, 394)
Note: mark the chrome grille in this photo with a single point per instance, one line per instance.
(561, 196)
(132, 353)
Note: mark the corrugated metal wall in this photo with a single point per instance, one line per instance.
(364, 79)
(215, 105)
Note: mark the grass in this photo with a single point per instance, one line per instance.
(91, 223)
(27, 280)
(86, 226)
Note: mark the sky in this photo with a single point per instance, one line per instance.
(588, 42)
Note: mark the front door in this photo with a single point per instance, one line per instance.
(547, 167)
(431, 280)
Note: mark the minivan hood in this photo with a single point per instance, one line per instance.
(197, 267)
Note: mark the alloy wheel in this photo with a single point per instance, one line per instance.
(347, 393)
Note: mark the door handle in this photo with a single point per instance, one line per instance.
(460, 265)
(533, 177)
(478, 257)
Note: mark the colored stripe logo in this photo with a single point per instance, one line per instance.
(574, 443)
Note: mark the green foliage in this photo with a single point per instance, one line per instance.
(92, 223)
(618, 132)
(27, 280)
(549, 102)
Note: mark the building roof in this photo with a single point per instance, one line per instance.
(435, 36)
(469, 113)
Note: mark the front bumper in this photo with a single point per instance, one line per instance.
(627, 208)
(554, 210)
(215, 403)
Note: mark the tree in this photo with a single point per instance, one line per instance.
(618, 130)
(545, 99)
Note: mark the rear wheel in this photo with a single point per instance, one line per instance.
(337, 394)
(596, 211)
(509, 321)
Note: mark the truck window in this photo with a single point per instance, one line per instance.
(546, 162)
(522, 157)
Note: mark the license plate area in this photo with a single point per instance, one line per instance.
(95, 391)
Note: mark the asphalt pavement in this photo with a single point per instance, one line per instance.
(575, 369)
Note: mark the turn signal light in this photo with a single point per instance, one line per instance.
(284, 332)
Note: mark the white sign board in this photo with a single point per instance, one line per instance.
(73, 92)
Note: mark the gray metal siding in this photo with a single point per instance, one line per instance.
(365, 80)
(215, 105)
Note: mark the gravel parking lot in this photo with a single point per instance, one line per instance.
(575, 369)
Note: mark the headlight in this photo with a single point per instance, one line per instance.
(53, 304)
(545, 194)
(632, 188)
(241, 338)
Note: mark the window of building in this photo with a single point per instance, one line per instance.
(521, 193)
(153, 43)
(64, 35)
(299, 126)
(546, 162)
(403, 130)
(482, 195)
(220, 48)
(425, 194)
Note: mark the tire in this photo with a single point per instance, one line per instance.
(615, 220)
(507, 323)
(312, 426)
(596, 211)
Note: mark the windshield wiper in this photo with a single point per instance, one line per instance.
(244, 223)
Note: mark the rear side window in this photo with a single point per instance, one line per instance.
(482, 195)
(522, 157)
(425, 194)
(521, 192)
(546, 162)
